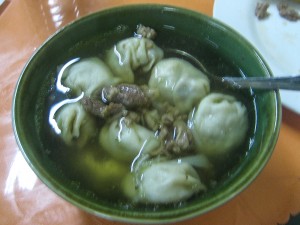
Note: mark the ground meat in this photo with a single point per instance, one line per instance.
(261, 10)
(151, 119)
(146, 32)
(133, 102)
(129, 95)
(288, 13)
(177, 139)
(98, 108)
(131, 117)
(181, 141)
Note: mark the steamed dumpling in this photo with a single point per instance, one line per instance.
(98, 170)
(131, 54)
(88, 75)
(77, 127)
(125, 140)
(179, 82)
(219, 124)
(164, 182)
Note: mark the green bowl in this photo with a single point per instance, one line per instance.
(201, 36)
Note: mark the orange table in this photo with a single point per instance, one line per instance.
(24, 25)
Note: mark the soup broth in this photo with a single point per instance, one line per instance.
(93, 171)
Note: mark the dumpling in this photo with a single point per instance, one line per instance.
(88, 75)
(179, 82)
(125, 140)
(98, 170)
(76, 126)
(164, 182)
(219, 124)
(131, 54)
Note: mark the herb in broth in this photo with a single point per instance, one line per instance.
(129, 136)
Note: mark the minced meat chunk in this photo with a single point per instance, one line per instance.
(261, 10)
(129, 95)
(146, 32)
(287, 12)
(98, 108)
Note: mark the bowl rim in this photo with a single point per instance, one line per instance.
(61, 191)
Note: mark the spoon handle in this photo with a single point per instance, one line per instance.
(270, 83)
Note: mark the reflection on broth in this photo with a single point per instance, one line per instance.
(56, 107)
(140, 123)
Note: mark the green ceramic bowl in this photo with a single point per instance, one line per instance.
(221, 50)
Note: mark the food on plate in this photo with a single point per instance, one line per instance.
(287, 12)
(261, 10)
(284, 10)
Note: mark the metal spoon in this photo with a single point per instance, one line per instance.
(262, 83)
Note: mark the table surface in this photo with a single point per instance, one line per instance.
(24, 25)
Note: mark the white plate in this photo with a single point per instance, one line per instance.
(277, 39)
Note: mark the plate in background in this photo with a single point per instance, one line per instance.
(277, 39)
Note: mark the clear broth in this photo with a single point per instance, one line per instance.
(66, 159)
